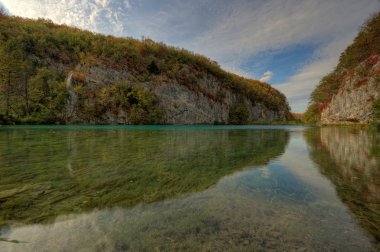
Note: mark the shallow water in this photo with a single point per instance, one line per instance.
(200, 188)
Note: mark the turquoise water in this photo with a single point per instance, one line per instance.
(197, 188)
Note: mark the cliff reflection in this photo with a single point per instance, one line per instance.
(49, 172)
(350, 159)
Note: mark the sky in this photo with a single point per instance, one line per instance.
(291, 44)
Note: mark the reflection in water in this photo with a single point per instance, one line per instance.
(350, 159)
(51, 172)
(242, 212)
(200, 190)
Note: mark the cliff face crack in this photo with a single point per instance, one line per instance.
(180, 113)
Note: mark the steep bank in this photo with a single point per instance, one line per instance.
(57, 74)
(348, 93)
(354, 100)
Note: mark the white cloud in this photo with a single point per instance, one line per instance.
(252, 28)
(298, 88)
(127, 4)
(96, 15)
(231, 32)
(266, 76)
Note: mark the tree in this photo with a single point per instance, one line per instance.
(27, 70)
(312, 114)
(376, 111)
(239, 113)
(10, 67)
(153, 68)
(48, 96)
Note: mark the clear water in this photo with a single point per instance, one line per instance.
(200, 188)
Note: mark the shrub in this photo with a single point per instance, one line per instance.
(376, 111)
(239, 113)
(312, 114)
(153, 68)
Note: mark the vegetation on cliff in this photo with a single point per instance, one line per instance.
(376, 113)
(365, 48)
(36, 57)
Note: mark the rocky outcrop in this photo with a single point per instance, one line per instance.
(353, 102)
(206, 103)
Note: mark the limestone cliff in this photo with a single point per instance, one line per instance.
(349, 92)
(353, 102)
(207, 103)
(57, 74)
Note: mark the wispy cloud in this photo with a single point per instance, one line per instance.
(258, 27)
(232, 32)
(105, 16)
(299, 86)
(252, 27)
(266, 76)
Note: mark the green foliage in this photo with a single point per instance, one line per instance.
(48, 97)
(145, 110)
(98, 103)
(328, 86)
(376, 112)
(365, 44)
(11, 241)
(312, 114)
(10, 67)
(153, 68)
(239, 113)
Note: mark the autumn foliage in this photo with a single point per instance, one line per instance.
(365, 49)
(27, 46)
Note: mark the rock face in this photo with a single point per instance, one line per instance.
(64, 75)
(181, 104)
(353, 102)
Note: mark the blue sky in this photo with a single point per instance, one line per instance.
(290, 44)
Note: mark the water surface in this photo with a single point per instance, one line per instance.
(170, 188)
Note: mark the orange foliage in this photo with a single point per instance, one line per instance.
(361, 83)
(79, 76)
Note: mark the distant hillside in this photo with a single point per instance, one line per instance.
(349, 93)
(57, 74)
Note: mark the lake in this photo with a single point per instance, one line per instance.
(192, 188)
